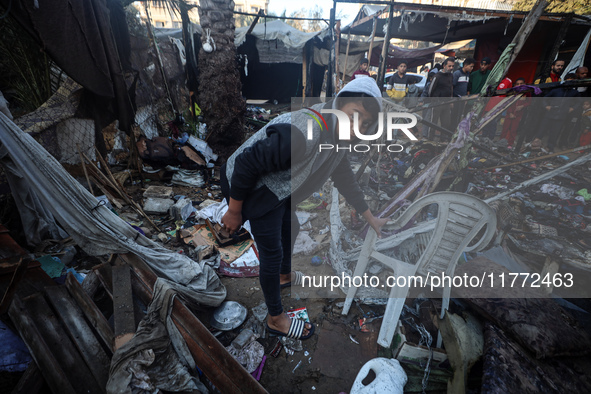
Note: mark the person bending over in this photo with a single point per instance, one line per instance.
(280, 166)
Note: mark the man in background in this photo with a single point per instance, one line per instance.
(442, 86)
(461, 78)
(582, 73)
(478, 77)
(555, 71)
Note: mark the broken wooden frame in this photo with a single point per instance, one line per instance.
(213, 359)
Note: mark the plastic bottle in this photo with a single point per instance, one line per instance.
(390, 377)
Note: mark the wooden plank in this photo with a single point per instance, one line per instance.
(8, 245)
(91, 284)
(90, 310)
(420, 353)
(105, 274)
(373, 36)
(213, 359)
(34, 281)
(56, 378)
(522, 35)
(81, 334)
(118, 203)
(31, 382)
(123, 305)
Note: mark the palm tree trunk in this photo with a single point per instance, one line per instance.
(220, 90)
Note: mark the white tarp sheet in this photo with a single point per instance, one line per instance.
(93, 226)
(276, 30)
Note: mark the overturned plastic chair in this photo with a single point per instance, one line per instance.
(460, 218)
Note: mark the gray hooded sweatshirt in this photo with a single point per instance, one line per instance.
(279, 162)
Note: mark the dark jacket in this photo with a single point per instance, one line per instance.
(442, 85)
(561, 101)
(275, 154)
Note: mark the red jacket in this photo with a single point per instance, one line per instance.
(505, 84)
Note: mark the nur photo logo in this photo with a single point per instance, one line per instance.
(388, 122)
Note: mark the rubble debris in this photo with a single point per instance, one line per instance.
(228, 316)
(250, 356)
(190, 178)
(158, 199)
(182, 209)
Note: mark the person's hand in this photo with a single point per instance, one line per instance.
(377, 224)
(232, 221)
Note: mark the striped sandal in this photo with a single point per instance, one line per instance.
(296, 282)
(296, 330)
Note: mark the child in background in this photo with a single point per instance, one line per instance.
(362, 71)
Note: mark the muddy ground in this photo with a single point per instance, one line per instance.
(330, 360)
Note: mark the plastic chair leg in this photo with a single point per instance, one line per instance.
(390, 321)
(394, 306)
(366, 250)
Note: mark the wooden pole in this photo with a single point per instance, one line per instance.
(337, 54)
(331, 57)
(556, 46)
(373, 35)
(520, 38)
(255, 21)
(385, 47)
(304, 73)
(346, 57)
(84, 168)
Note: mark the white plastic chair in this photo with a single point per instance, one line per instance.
(460, 218)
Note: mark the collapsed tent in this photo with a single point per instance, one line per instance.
(413, 57)
(92, 225)
(272, 56)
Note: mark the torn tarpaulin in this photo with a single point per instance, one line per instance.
(157, 357)
(95, 228)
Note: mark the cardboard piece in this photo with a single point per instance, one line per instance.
(202, 235)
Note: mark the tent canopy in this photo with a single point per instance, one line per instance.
(444, 24)
(277, 30)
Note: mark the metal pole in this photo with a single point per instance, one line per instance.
(384, 56)
(331, 58)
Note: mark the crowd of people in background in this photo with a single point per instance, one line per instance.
(552, 122)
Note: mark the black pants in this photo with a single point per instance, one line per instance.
(552, 128)
(275, 234)
(442, 114)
